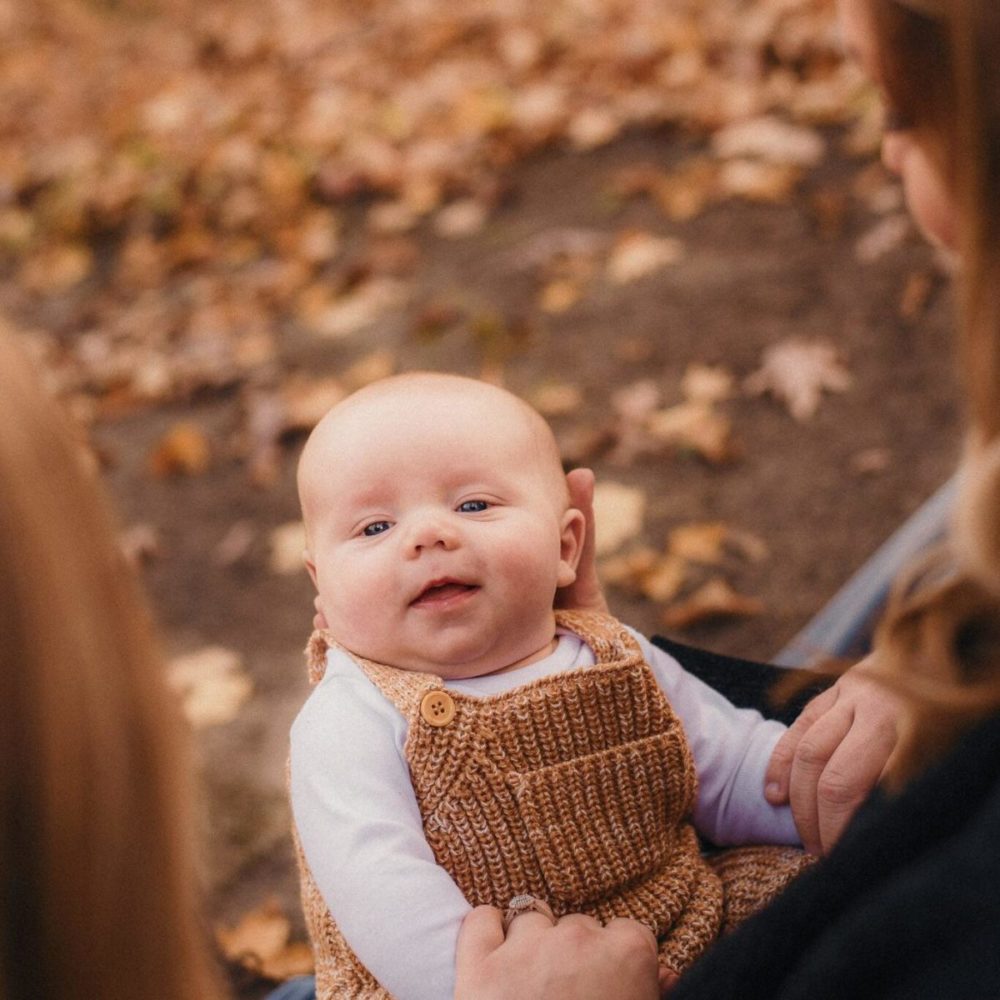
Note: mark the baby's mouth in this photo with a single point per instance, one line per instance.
(442, 591)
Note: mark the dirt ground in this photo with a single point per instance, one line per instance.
(752, 275)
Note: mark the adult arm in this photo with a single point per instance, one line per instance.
(362, 835)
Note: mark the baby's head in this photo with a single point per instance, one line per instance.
(438, 525)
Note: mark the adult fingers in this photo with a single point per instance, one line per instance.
(319, 618)
(777, 778)
(528, 923)
(812, 755)
(850, 774)
(480, 935)
(628, 930)
(585, 593)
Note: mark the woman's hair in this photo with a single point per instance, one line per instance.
(97, 877)
(941, 636)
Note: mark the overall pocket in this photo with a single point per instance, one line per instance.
(606, 820)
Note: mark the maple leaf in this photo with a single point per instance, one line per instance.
(797, 372)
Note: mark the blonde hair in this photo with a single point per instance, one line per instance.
(97, 877)
(940, 640)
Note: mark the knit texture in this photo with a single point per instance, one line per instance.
(576, 788)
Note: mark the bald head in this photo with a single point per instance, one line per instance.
(393, 407)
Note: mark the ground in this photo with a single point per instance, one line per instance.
(615, 209)
(752, 275)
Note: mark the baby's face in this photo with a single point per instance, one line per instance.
(438, 528)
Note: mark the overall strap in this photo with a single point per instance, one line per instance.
(405, 689)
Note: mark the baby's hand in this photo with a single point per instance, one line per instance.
(585, 593)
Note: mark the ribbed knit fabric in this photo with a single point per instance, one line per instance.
(576, 788)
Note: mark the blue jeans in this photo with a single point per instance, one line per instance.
(300, 988)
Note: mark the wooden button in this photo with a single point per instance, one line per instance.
(437, 708)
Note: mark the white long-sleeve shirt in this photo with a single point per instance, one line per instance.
(362, 834)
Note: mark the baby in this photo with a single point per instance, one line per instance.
(464, 743)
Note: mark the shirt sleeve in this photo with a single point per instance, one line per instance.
(731, 748)
(362, 835)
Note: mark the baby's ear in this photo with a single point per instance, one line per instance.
(573, 530)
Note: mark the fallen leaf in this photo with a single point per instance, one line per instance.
(701, 542)
(871, 461)
(771, 139)
(260, 942)
(664, 579)
(714, 599)
(706, 384)
(460, 219)
(556, 399)
(559, 296)
(758, 181)
(288, 543)
(618, 511)
(797, 372)
(697, 427)
(211, 684)
(183, 451)
(639, 254)
(371, 368)
(307, 400)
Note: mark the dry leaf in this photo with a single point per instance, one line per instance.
(663, 580)
(556, 399)
(460, 219)
(696, 427)
(560, 295)
(797, 372)
(183, 451)
(701, 542)
(211, 684)
(371, 368)
(288, 543)
(706, 384)
(638, 254)
(236, 542)
(618, 511)
(260, 942)
(714, 599)
(770, 139)
(307, 400)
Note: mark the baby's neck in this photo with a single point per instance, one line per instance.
(547, 650)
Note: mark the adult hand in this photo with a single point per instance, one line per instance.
(573, 959)
(833, 755)
(319, 619)
(585, 593)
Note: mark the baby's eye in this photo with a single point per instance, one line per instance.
(376, 528)
(472, 506)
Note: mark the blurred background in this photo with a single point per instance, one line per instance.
(661, 221)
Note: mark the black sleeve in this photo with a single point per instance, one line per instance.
(748, 684)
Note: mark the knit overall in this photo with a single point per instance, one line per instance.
(576, 788)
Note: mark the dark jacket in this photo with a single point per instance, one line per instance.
(906, 906)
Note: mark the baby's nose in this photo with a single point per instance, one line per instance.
(432, 530)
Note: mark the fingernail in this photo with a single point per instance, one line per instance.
(772, 790)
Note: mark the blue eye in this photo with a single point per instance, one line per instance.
(472, 506)
(376, 528)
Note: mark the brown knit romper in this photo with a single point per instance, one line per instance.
(576, 788)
